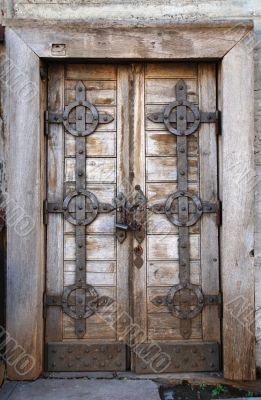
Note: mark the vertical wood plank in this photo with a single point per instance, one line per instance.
(139, 276)
(123, 185)
(55, 179)
(25, 239)
(208, 192)
(238, 206)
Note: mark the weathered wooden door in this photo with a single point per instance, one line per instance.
(132, 207)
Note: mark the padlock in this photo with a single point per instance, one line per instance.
(122, 226)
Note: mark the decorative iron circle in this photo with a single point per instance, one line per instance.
(190, 106)
(174, 219)
(90, 216)
(68, 302)
(93, 124)
(174, 302)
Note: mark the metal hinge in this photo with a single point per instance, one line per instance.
(2, 33)
(44, 305)
(45, 212)
(219, 213)
(219, 122)
(215, 300)
(46, 123)
(220, 306)
(43, 73)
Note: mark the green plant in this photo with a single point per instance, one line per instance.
(218, 390)
(250, 394)
(202, 386)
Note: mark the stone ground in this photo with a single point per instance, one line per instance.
(80, 389)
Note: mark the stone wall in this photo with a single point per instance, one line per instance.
(181, 10)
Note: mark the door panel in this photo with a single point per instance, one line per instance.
(86, 253)
(131, 283)
(162, 271)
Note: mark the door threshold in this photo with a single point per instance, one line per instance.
(196, 378)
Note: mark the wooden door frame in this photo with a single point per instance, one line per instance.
(229, 42)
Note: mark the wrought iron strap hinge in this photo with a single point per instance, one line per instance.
(195, 208)
(205, 117)
(45, 212)
(67, 301)
(62, 117)
(219, 123)
(91, 211)
(202, 300)
(219, 213)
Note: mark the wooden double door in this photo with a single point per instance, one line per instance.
(132, 270)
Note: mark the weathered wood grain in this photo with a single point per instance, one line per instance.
(97, 170)
(99, 247)
(124, 250)
(164, 247)
(55, 227)
(166, 70)
(139, 275)
(165, 327)
(164, 273)
(100, 273)
(159, 223)
(25, 240)
(165, 41)
(208, 192)
(91, 72)
(238, 199)
(100, 327)
(102, 144)
(164, 144)
(164, 169)
(162, 91)
(159, 191)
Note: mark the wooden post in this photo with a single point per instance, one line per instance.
(238, 205)
(25, 230)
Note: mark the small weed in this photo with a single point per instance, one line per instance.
(218, 390)
(250, 394)
(203, 386)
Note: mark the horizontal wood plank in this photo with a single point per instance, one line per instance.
(160, 40)
(163, 326)
(166, 273)
(102, 144)
(99, 247)
(97, 169)
(165, 247)
(162, 91)
(171, 70)
(90, 72)
(98, 326)
(163, 169)
(165, 144)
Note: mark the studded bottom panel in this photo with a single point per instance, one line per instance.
(85, 357)
(187, 357)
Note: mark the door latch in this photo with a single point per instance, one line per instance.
(131, 215)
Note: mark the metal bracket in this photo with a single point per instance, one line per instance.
(94, 207)
(88, 121)
(205, 117)
(2, 33)
(184, 114)
(67, 301)
(195, 208)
